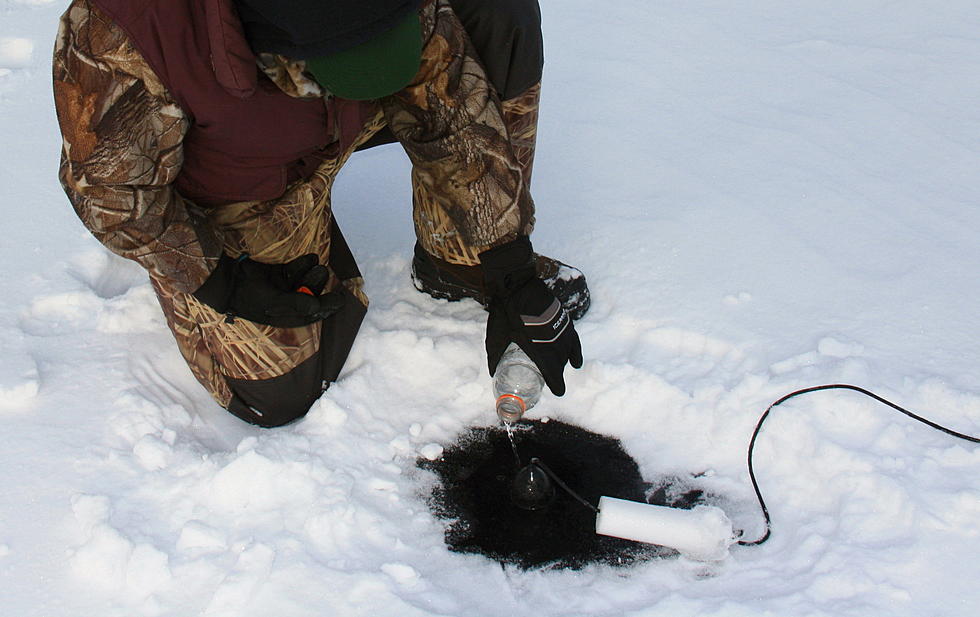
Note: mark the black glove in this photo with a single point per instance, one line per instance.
(281, 295)
(524, 311)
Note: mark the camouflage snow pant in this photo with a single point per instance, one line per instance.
(271, 376)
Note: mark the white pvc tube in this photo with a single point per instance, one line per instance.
(704, 533)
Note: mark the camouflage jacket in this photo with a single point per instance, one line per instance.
(124, 135)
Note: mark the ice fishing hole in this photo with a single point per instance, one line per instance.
(473, 495)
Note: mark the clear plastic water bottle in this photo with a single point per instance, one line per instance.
(517, 384)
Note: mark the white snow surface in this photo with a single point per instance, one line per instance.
(765, 196)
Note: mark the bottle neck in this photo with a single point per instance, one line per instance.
(510, 408)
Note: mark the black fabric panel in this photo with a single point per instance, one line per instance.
(382, 137)
(276, 401)
(507, 38)
(341, 259)
(283, 399)
(508, 41)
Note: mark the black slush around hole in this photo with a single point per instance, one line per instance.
(474, 495)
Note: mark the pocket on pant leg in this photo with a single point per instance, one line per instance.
(247, 350)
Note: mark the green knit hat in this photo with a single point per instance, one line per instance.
(378, 67)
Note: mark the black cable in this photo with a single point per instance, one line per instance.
(565, 487)
(758, 427)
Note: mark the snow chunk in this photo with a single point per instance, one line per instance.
(102, 560)
(829, 346)
(403, 574)
(136, 310)
(147, 570)
(110, 560)
(255, 483)
(198, 536)
(431, 451)
(90, 510)
(378, 484)
(16, 53)
(62, 313)
(741, 297)
(247, 444)
(237, 589)
(19, 381)
(795, 363)
(106, 274)
(400, 445)
(152, 452)
(325, 414)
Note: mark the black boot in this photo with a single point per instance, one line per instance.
(441, 279)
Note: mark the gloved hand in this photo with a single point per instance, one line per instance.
(281, 295)
(524, 311)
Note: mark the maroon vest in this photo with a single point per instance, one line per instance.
(247, 139)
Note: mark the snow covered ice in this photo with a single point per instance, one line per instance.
(764, 196)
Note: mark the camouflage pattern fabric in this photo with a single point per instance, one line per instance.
(469, 188)
(521, 118)
(289, 75)
(436, 229)
(122, 151)
(122, 133)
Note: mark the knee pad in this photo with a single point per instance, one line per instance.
(269, 407)
(279, 400)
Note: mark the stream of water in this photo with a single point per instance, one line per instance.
(513, 444)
